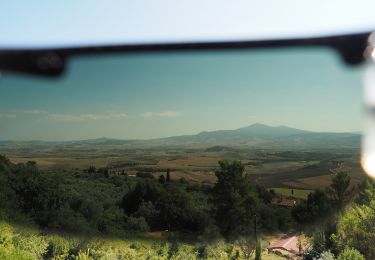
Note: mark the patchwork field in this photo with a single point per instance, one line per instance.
(296, 193)
(300, 170)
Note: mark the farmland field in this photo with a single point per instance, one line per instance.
(296, 193)
(272, 168)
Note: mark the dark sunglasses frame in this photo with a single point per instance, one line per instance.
(52, 62)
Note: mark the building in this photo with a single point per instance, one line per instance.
(284, 202)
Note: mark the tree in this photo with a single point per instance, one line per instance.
(36, 194)
(258, 250)
(364, 191)
(340, 189)
(180, 210)
(248, 245)
(161, 179)
(168, 176)
(148, 211)
(166, 206)
(91, 169)
(145, 190)
(356, 228)
(315, 207)
(235, 199)
(4, 164)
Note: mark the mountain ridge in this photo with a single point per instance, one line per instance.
(253, 135)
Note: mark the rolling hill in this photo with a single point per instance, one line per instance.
(256, 135)
(260, 135)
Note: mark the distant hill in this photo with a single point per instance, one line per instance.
(252, 132)
(256, 135)
(260, 135)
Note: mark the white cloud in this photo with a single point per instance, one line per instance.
(7, 115)
(64, 117)
(84, 117)
(32, 111)
(161, 114)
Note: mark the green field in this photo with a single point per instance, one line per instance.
(297, 193)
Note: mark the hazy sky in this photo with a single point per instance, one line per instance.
(65, 23)
(155, 95)
(146, 96)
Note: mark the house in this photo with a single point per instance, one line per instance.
(286, 244)
(284, 202)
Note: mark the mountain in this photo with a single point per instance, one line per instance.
(261, 135)
(256, 135)
(252, 131)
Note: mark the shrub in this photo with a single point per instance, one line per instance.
(327, 255)
(210, 234)
(136, 224)
(173, 249)
(6, 234)
(59, 247)
(83, 255)
(35, 245)
(11, 253)
(350, 254)
(201, 251)
(219, 251)
(163, 250)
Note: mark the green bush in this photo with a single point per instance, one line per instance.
(33, 244)
(355, 228)
(183, 252)
(6, 234)
(97, 250)
(83, 256)
(59, 247)
(136, 224)
(11, 253)
(327, 255)
(210, 234)
(163, 250)
(220, 250)
(350, 254)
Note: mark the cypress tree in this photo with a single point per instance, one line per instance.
(168, 176)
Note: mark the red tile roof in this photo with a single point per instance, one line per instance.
(288, 243)
(284, 202)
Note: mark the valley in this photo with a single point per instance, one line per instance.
(274, 157)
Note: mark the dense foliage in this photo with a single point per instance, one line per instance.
(346, 229)
(94, 201)
(27, 243)
(356, 228)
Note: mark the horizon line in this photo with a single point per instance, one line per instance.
(359, 132)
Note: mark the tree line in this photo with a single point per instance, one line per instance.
(91, 201)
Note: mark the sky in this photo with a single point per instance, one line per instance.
(141, 96)
(43, 23)
(157, 95)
